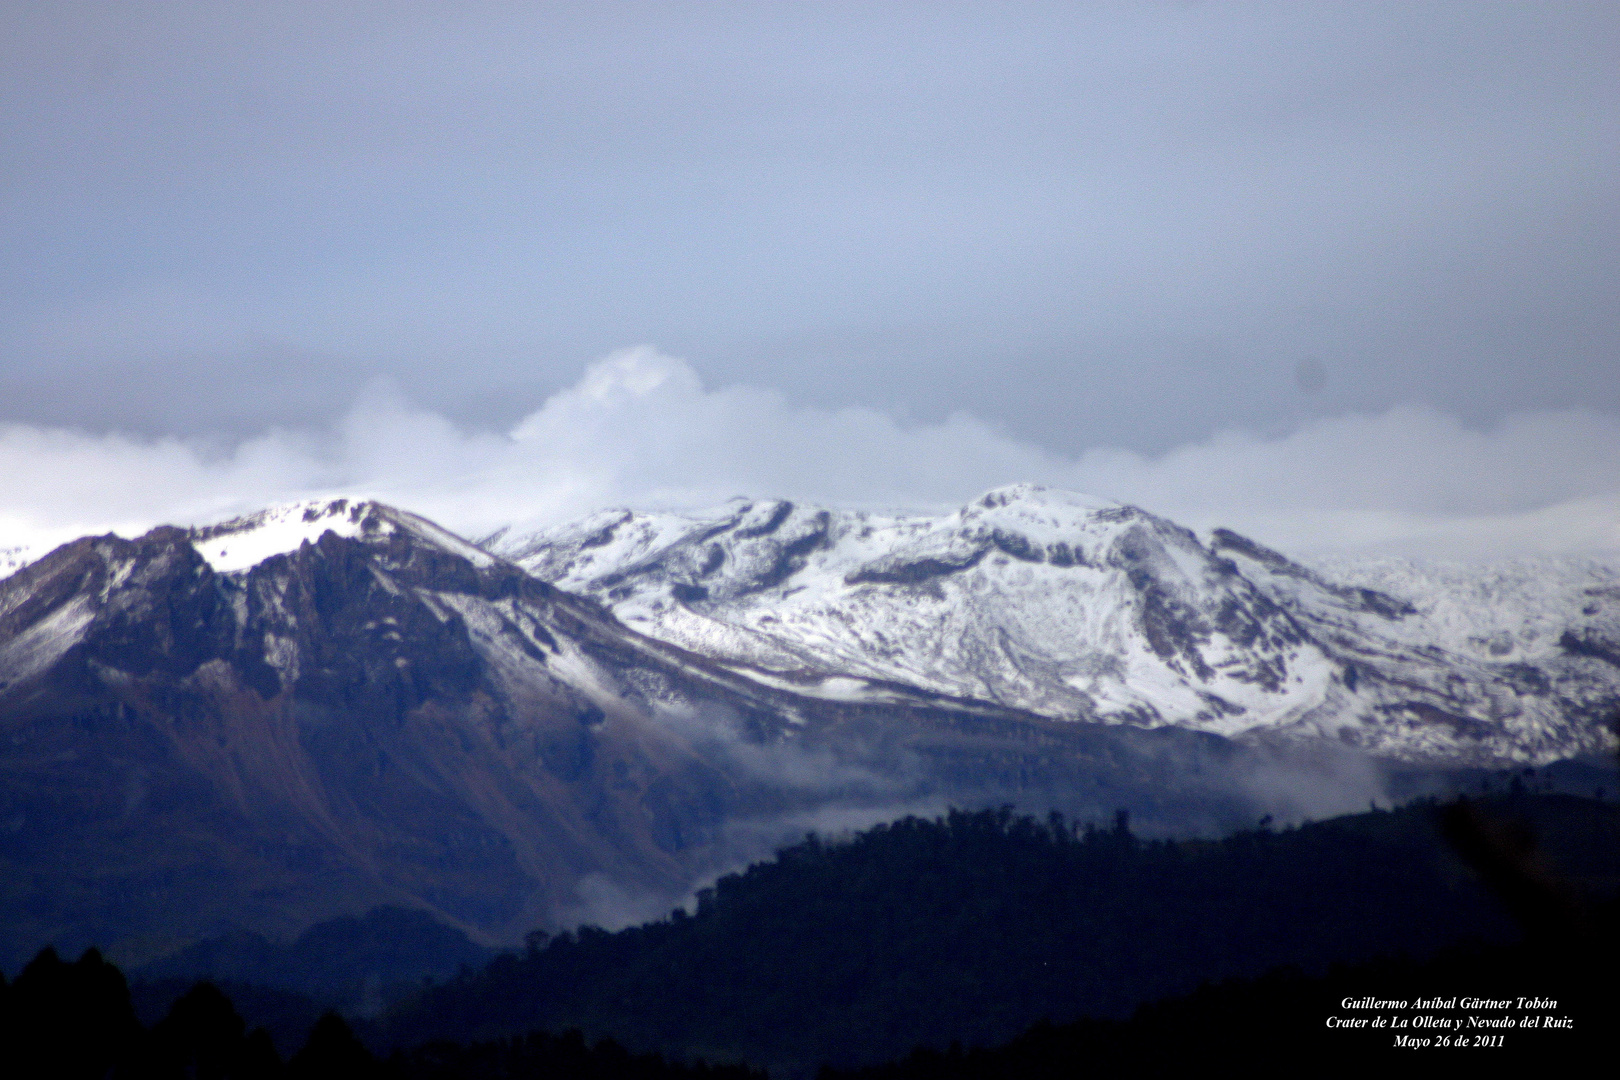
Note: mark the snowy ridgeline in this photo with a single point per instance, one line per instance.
(1505, 610)
(1073, 608)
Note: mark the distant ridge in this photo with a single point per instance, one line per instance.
(1073, 607)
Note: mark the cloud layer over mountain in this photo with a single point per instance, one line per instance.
(639, 428)
(1092, 224)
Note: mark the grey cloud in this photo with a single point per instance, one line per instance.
(641, 429)
(1092, 226)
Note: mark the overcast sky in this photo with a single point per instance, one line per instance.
(1205, 256)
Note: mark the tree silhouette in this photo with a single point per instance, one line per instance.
(332, 1053)
(202, 1037)
(75, 1017)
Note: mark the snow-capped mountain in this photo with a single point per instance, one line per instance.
(326, 707)
(1076, 608)
(322, 708)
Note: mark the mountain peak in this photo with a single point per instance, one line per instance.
(1034, 517)
(1028, 496)
(242, 543)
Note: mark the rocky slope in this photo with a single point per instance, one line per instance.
(356, 722)
(1073, 608)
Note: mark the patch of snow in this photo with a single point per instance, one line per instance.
(245, 542)
(1514, 610)
(439, 536)
(43, 643)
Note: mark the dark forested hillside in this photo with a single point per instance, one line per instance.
(960, 934)
(972, 927)
(74, 1021)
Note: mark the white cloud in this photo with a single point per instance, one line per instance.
(640, 429)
